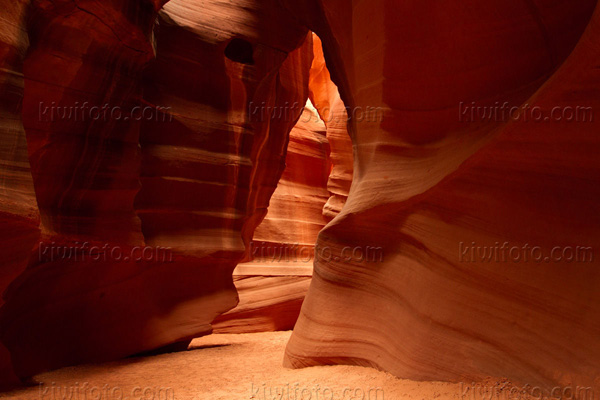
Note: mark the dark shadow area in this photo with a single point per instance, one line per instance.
(240, 50)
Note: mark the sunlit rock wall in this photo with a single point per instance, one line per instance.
(430, 179)
(273, 284)
(326, 97)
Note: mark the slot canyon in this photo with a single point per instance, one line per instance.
(300, 199)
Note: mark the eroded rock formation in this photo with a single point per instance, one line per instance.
(432, 177)
(426, 181)
(19, 217)
(326, 97)
(197, 190)
(81, 55)
(273, 284)
(312, 190)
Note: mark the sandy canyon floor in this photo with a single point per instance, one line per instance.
(245, 366)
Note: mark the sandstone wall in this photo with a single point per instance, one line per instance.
(426, 181)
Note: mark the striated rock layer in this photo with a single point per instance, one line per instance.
(437, 180)
(19, 216)
(220, 157)
(295, 211)
(209, 171)
(193, 194)
(64, 310)
(267, 303)
(430, 179)
(326, 97)
(273, 284)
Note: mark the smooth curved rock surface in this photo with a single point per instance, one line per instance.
(428, 180)
(85, 176)
(312, 190)
(221, 156)
(273, 284)
(19, 216)
(326, 97)
(267, 303)
(425, 181)
(295, 211)
(197, 189)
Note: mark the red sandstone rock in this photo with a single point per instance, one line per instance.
(85, 175)
(267, 303)
(19, 217)
(326, 97)
(273, 285)
(295, 210)
(206, 175)
(283, 243)
(425, 181)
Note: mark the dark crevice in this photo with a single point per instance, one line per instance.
(241, 51)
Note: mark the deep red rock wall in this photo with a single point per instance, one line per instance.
(85, 176)
(19, 216)
(208, 174)
(217, 158)
(425, 182)
(197, 189)
(429, 178)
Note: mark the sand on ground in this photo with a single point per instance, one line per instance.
(228, 367)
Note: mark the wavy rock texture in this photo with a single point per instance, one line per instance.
(218, 160)
(326, 97)
(425, 181)
(19, 216)
(222, 155)
(269, 301)
(273, 285)
(197, 189)
(84, 169)
(295, 211)
(429, 178)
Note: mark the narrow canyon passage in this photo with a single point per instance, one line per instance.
(338, 194)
